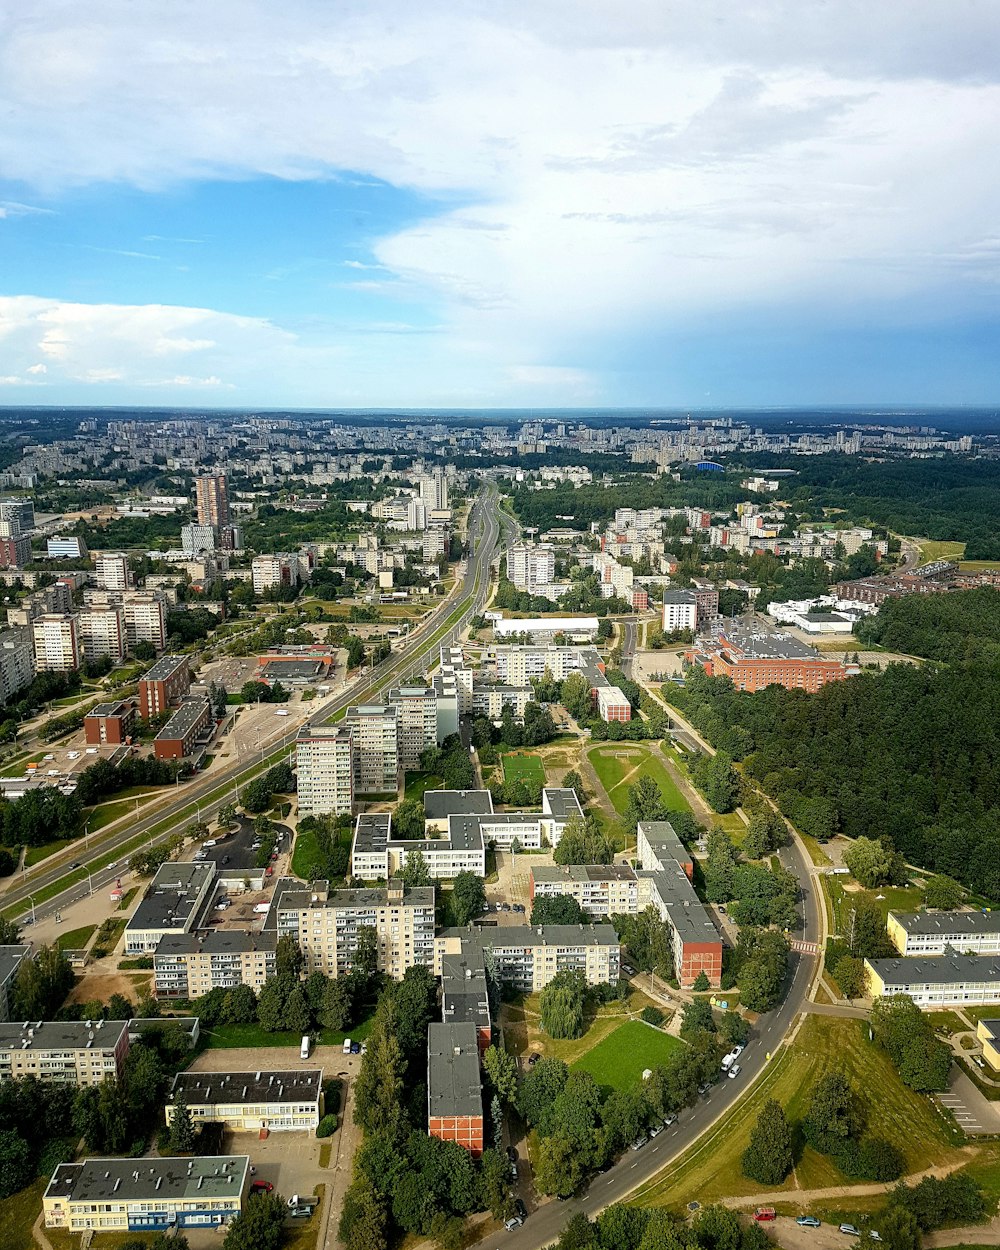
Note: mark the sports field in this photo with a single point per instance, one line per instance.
(620, 765)
(621, 1058)
(523, 768)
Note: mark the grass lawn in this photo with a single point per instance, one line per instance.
(230, 1036)
(518, 767)
(21, 767)
(946, 1021)
(304, 1234)
(107, 813)
(620, 1059)
(930, 549)
(620, 765)
(307, 862)
(18, 1213)
(35, 854)
(416, 783)
(523, 1027)
(710, 1170)
(75, 939)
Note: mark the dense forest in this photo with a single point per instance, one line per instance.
(963, 625)
(910, 756)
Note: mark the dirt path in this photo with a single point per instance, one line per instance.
(845, 1191)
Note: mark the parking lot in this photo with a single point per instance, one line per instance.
(973, 1111)
(58, 765)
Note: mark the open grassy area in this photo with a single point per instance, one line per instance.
(307, 862)
(893, 898)
(230, 1036)
(620, 765)
(20, 767)
(620, 1059)
(108, 813)
(711, 1169)
(18, 1213)
(35, 854)
(521, 767)
(931, 549)
(416, 783)
(523, 1027)
(75, 939)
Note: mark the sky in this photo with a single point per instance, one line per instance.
(326, 203)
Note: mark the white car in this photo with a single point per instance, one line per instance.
(734, 1071)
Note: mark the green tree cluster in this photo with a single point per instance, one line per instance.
(907, 1036)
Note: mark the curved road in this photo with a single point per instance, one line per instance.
(212, 790)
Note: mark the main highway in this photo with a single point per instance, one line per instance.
(203, 795)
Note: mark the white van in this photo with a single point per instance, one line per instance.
(347, 1045)
(304, 1048)
(262, 908)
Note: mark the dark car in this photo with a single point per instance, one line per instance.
(533, 1060)
(355, 1048)
(520, 1208)
(512, 1154)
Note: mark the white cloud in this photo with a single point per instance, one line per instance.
(602, 167)
(36, 369)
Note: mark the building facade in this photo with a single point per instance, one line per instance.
(324, 763)
(102, 633)
(71, 1052)
(454, 1087)
(110, 723)
(935, 932)
(374, 729)
(57, 643)
(188, 965)
(212, 499)
(164, 686)
(251, 1102)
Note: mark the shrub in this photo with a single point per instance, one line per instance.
(327, 1126)
(653, 1015)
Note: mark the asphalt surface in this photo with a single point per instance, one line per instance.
(544, 1225)
(484, 533)
(630, 633)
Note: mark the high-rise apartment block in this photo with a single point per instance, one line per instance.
(164, 686)
(57, 643)
(212, 498)
(102, 632)
(324, 766)
(17, 661)
(145, 618)
(375, 747)
(417, 722)
(111, 571)
(530, 565)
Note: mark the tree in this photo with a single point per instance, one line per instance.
(15, 1162)
(768, 1157)
(182, 1131)
(120, 1007)
(337, 1009)
(493, 1178)
(408, 820)
(697, 1016)
(271, 1004)
(557, 909)
(288, 958)
(734, 1029)
(573, 781)
(562, 1005)
(259, 1226)
(239, 1006)
(834, 1114)
(365, 961)
(540, 1087)
(298, 1017)
(904, 1032)
(501, 1068)
(414, 871)
(10, 934)
(144, 650)
(560, 1168)
(575, 696)
(584, 842)
(943, 893)
(701, 982)
(716, 778)
(468, 896)
(898, 1228)
(379, 1086)
(873, 863)
(849, 973)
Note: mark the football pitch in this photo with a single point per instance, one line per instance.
(523, 768)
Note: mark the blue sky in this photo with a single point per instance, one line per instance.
(565, 203)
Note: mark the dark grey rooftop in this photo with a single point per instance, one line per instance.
(371, 831)
(121, 707)
(684, 908)
(365, 897)
(956, 924)
(664, 843)
(215, 942)
(439, 804)
(187, 716)
(147, 1180)
(454, 1085)
(562, 802)
(947, 969)
(172, 896)
(64, 1034)
(464, 995)
(10, 960)
(165, 667)
(199, 1088)
(524, 936)
(584, 872)
(679, 596)
(758, 644)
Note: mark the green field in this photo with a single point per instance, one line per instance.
(307, 863)
(230, 1036)
(416, 783)
(620, 1058)
(75, 939)
(620, 765)
(18, 1213)
(523, 768)
(711, 1168)
(931, 549)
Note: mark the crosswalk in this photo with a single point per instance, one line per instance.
(803, 947)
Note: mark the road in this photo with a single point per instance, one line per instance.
(210, 791)
(630, 634)
(636, 1167)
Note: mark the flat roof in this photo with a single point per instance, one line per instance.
(664, 841)
(439, 804)
(186, 718)
(64, 1034)
(172, 896)
(291, 668)
(322, 733)
(687, 913)
(120, 708)
(540, 935)
(464, 994)
(295, 1085)
(454, 1086)
(562, 802)
(948, 969)
(149, 1179)
(371, 832)
(679, 596)
(948, 923)
(362, 896)
(584, 872)
(759, 644)
(546, 625)
(165, 667)
(215, 942)
(10, 961)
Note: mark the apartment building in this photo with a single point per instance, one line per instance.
(615, 580)
(172, 904)
(417, 722)
(66, 548)
(15, 547)
(680, 611)
(270, 572)
(665, 883)
(188, 965)
(937, 981)
(164, 685)
(57, 643)
(102, 633)
(110, 723)
(11, 958)
(600, 889)
(530, 565)
(251, 1102)
(17, 662)
(324, 763)
(18, 513)
(465, 995)
(454, 1087)
(517, 665)
(197, 538)
(988, 1035)
(72, 1052)
(935, 932)
(149, 1194)
(212, 500)
(528, 958)
(111, 571)
(189, 725)
(145, 618)
(326, 924)
(374, 729)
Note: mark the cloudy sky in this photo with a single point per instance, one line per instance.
(554, 202)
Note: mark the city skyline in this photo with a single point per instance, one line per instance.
(385, 207)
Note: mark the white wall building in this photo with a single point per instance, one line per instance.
(325, 770)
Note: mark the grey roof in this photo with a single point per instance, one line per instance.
(563, 802)
(948, 923)
(371, 831)
(947, 969)
(679, 596)
(361, 710)
(215, 942)
(120, 707)
(439, 804)
(464, 994)
(172, 896)
(165, 667)
(584, 872)
(187, 716)
(524, 936)
(199, 1088)
(364, 897)
(453, 1082)
(10, 961)
(992, 1027)
(758, 644)
(686, 912)
(145, 1180)
(64, 1034)
(664, 843)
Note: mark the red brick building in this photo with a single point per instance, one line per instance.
(178, 736)
(454, 1086)
(755, 660)
(110, 723)
(164, 686)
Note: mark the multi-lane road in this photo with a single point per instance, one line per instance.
(205, 793)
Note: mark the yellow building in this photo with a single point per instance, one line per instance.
(988, 1033)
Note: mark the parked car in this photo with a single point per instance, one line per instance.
(764, 1214)
(355, 1048)
(347, 1045)
(656, 1130)
(850, 1230)
(874, 1234)
(734, 1071)
(628, 970)
(520, 1208)
(640, 1142)
(512, 1154)
(533, 1059)
(808, 1221)
(299, 1213)
(669, 1119)
(261, 1187)
(519, 907)
(222, 904)
(515, 1221)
